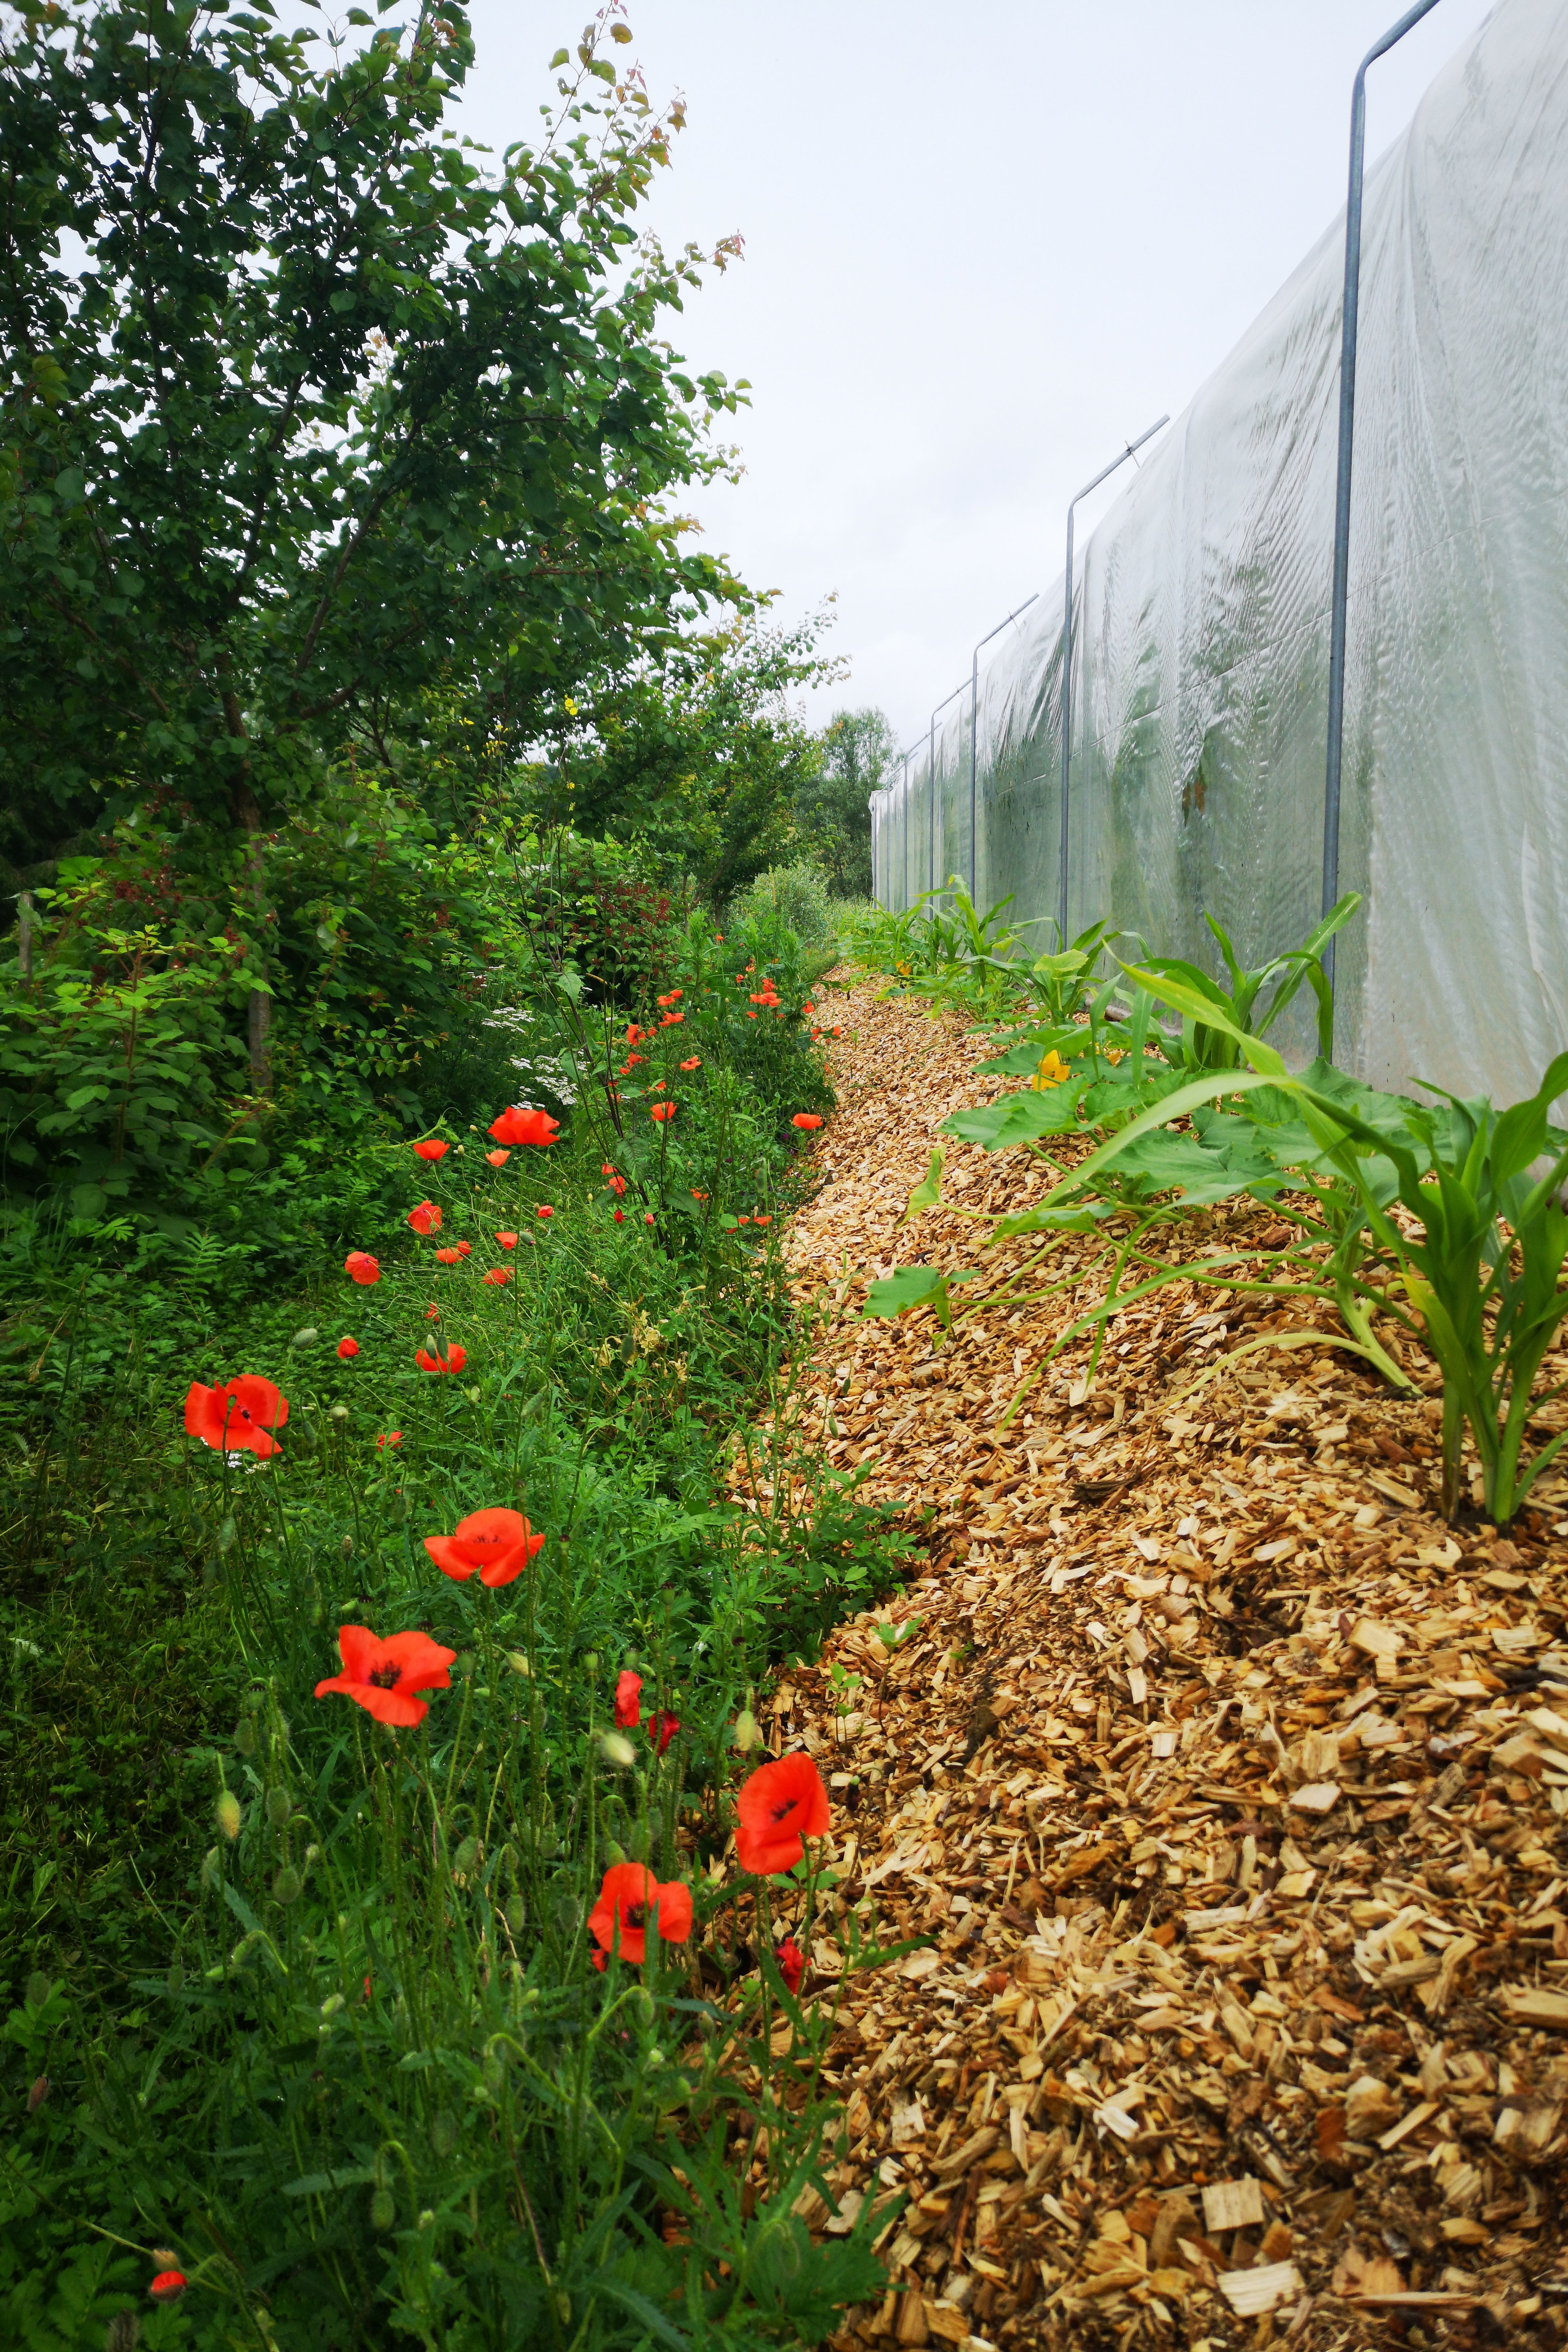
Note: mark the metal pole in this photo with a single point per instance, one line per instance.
(940, 706)
(1104, 475)
(974, 725)
(1342, 488)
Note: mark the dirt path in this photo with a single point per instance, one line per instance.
(1227, 1782)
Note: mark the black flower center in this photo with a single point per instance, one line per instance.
(383, 1677)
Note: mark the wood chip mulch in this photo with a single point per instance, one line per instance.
(1226, 1781)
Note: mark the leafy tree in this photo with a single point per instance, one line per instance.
(832, 810)
(306, 413)
(701, 761)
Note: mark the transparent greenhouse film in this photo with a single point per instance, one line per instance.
(1201, 626)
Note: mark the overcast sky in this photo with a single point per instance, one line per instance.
(982, 249)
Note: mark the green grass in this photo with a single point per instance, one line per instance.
(353, 2066)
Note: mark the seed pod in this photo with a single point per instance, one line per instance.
(288, 1886)
(228, 1811)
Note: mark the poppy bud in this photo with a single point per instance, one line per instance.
(303, 1339)
(121, 2333)
(168, 2286)
(347, 1547)
(517, 1663)
(615, 1853)
(38, 1988)
(517, 1915)
(382, 2210)
(645, 2002)
(444, 2132)
(467, 1854)
(212, 1868)
(338, 1412)
(228, 1814)
(226, 1535)
(166, 2257)
(278, 1807)
(618, 1750)
(286, 1887)
(427, 2219)
(245, 1737)
(748, 1731)
(347, 1347)
(37, 2094)
(332, 2003)
(173, 1983)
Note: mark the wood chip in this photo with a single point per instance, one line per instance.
(1251, 1884)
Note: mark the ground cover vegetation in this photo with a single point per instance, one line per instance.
(1442, 1221)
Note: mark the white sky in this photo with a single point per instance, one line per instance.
(982, 249)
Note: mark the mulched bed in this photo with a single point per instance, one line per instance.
(1226, 1779)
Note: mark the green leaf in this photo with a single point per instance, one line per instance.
(927, 1193)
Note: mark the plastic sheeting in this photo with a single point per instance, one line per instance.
(1201, 625)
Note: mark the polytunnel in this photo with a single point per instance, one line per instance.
(1200, 627)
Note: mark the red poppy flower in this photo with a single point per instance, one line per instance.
(674, 997)
(761, 1221)
(446, 1257)
(360, 1266)
(631, 1063)
(694, 1063)
(620, 1216)
(497, 1545)
(389, 1437)
(742, 1221)
(236, 1418)
(697, 1195)
(750, 1016)
(496, 1275)
(781, 1805)
(662, 1727)
(837, 1031)
(662, 1111)
(634, 1033)
(630, 1900)
(426, 1218)
(608, 1169)
(792, 1964)
(760, 999)
(617, 1185)
(647, 1216)
(670, 1019)
(432, 1313)
(431, 1148)
(385, 1677)
(465, 1249)
(347, 1347)
(506, 1241)
(168, 2286)
(516, 1126)
(544, 1210)
(498, 1159)
(452, 1361)
(629, 1699)
(806, 1120)
(657, 1087)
